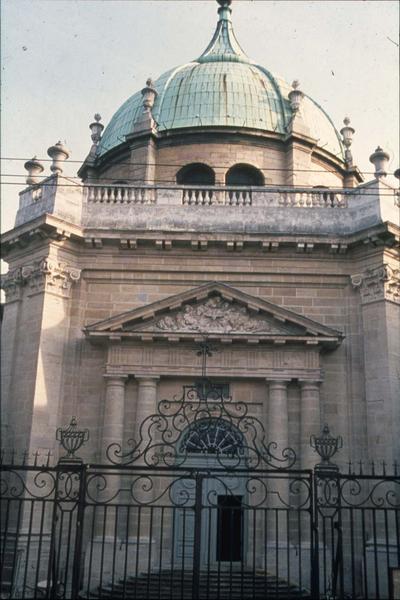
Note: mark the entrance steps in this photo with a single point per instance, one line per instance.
(214, 585)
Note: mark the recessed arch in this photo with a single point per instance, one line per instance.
(195, 174)
(244, 174)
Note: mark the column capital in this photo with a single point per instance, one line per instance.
(115, 379)
(309, 384)
(147, 379)
(278, 382)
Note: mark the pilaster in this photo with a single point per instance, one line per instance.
(36, 322)
(379, 293)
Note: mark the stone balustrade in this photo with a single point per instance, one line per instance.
(315, 198)
(121, 194)
(217, 195)
(275, 209)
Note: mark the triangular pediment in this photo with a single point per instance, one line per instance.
(214, 310)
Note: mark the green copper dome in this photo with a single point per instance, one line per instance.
(223, 87)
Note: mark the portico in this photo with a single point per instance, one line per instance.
(252, 341)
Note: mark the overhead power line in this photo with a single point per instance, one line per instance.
(266, 188)
(122, 180)
(177, 165)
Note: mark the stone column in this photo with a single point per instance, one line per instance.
(278, 432)
(310, 422)
(146, 404)
(106, 534)
(114, 411)
(147, 487)
(277, 414)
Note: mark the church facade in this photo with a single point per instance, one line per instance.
(219, 207)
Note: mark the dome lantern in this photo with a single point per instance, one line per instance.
(224, 10)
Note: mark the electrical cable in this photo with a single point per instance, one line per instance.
(271, 188)
(159, 164)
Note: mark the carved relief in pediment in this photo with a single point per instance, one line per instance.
(217, 315)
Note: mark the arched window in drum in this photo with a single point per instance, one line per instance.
(195, 174)
(244, 175)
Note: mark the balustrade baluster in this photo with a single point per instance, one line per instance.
(201, 196)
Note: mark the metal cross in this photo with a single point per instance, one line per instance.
(206, 350)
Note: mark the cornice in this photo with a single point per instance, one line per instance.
(49, 228)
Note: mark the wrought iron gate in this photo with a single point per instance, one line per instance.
(200, 506)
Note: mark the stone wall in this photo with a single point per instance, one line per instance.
(52, 371)
(68, 367)
(157, 160)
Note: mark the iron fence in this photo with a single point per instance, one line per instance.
(200, 506)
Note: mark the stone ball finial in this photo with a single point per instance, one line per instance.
(295, 96)
(150, 82)
(380, 160)
(59, 153)
(34, 168)
(96, 128)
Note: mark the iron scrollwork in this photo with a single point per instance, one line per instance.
(202, 421)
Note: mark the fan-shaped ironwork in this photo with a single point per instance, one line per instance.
(202, 419)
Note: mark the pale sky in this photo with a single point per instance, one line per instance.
(64, 60)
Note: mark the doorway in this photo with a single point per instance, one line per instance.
(230, 529)
(212, 447)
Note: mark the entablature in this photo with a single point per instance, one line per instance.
(51, 228)
(238, 361)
